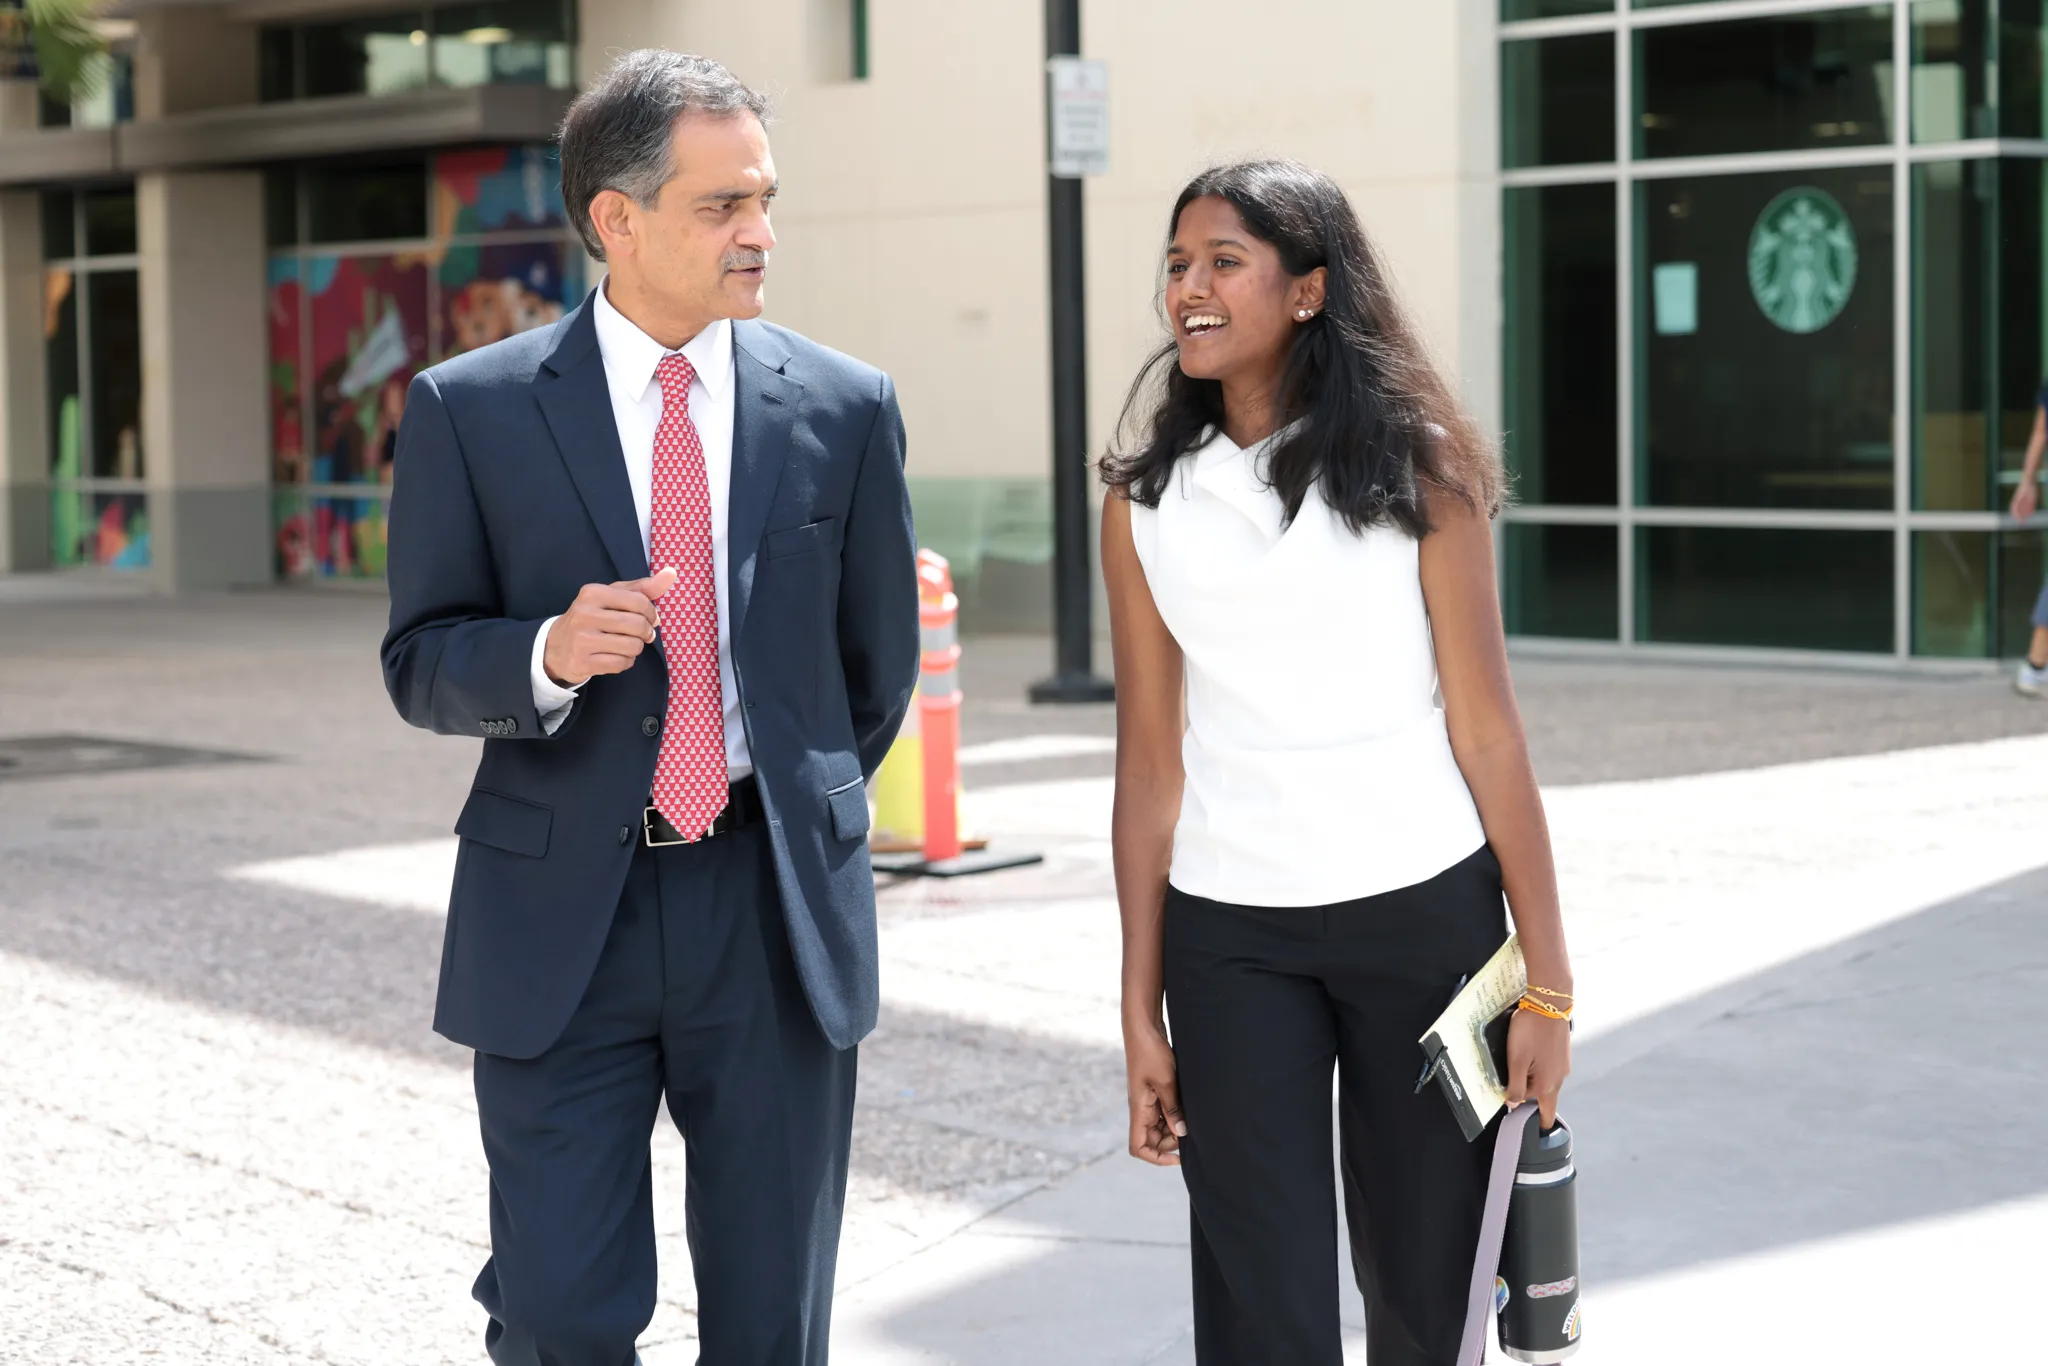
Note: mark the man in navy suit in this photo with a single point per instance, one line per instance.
(659, 555)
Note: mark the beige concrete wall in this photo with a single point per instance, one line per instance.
(192, 57)
(913, 215)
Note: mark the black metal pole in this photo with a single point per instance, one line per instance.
(1073, 678)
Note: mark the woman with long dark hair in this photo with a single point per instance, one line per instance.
(1323, 791)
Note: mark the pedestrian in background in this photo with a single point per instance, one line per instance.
(658, 556)
(2032, 679)
(1322, 783)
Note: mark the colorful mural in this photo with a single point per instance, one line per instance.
(492, 291)
(497, 189)
(107, 529)
(287, 405)
(369, 338)
(348, 333)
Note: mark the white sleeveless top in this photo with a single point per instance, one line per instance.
(1318, 766)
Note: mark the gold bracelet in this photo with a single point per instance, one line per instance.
(1546, 991)
(1547, 1011)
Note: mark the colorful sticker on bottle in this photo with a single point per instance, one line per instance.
(1571, 1325)
(1550, 1290)
(1500, 1294)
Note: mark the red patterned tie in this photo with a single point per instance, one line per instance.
(689, 772)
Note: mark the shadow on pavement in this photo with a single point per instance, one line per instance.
(1886, 1078)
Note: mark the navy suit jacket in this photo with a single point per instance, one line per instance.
(510, 495)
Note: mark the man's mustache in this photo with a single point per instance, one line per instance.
(746, 260)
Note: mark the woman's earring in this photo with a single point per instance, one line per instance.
(1304, 314)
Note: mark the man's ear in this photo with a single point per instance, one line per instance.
(611, 214)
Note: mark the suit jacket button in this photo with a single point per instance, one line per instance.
(650, 725)
(625, 833)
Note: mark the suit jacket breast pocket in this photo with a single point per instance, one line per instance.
(799, 540)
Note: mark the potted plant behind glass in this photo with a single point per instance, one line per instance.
(54, 43)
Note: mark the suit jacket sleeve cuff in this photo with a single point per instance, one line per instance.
(550, 698)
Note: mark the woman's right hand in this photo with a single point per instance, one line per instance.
(2025, 499)
(1156, 1124)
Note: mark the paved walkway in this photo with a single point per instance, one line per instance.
(1808, 913)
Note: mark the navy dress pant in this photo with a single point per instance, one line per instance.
(1264, 1003)
(696, 998)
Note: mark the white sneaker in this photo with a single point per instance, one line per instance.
(2030, 681)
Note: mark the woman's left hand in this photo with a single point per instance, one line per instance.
(1539, 1059)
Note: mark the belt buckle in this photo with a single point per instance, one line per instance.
(652, 840)
(648, 815)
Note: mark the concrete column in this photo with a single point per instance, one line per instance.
(189, 57)
(205, 424)
(24, 439)
(24, 435)
(205, 438)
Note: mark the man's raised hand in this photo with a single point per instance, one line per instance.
(604, 630)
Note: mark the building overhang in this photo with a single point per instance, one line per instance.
(253, 134)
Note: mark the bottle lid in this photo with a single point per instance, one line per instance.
(1546, 1150)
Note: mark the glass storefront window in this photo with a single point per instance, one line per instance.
(114, 359)
(1557, 100)
(1806, 589)
(1977, 69)
(60, 226)
(1559, 321)
(1756, 85)
(375, 55)
(92, 341)
(1511, 10)
(1974, 591)
(1562, 581)
(503, 42)
(485, 42)
(277, 64)
(1980, 298)
(1764, 340)
(280, 207)
(384, 202)
(109, 221)
(108, 98)
(63, 375)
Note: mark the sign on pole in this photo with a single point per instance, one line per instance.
(1080, 116)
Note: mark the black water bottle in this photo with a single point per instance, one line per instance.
(1537, 1295)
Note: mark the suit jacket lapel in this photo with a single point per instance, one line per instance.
(764, 418)
(578, 407)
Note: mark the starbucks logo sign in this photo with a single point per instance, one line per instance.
(1802, 260)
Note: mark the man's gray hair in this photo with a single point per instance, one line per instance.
(619, 134)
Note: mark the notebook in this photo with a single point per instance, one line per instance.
(1467, 1047)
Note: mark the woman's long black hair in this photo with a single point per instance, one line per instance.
(1378, 432)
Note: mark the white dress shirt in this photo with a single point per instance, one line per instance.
(630, 359)
(1319, 769)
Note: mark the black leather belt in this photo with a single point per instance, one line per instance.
(742, 808)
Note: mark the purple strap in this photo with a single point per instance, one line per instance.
(1500, 1184)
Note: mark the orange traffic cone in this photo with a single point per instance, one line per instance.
(944, 853)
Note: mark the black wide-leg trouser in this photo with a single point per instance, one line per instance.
(1262, 1004)
(695, 998)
